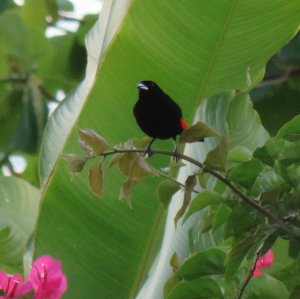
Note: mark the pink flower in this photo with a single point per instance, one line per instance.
(263, 262)
(47, 278)
(13, 286)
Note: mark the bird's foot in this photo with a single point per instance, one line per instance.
(148, 151)
(176, 154)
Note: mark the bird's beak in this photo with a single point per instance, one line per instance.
(142, 86)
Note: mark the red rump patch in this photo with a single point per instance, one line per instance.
(184, 125)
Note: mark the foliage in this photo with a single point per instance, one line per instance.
(30, 78)
(227, 202)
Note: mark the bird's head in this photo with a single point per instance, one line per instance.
(148, 86)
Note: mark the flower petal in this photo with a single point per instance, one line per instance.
(267, 259)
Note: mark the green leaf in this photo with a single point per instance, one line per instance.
(244, 125)
(270, 152)
(96, 179)
(290, 130)
(28, 134)
(52, 9)
(222, 214)
(201, 288)
(174, 262)
(246, 173)
(239, 154)
(295, 293)
(203, 263)
(166, 190)
(217, 158)
(203, 200)
(290, 174)
(290, 154)
(19, 207)
(197, 133)
(266, 287)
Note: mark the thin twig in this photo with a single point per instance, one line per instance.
(293, 72)
(292, 231)
(172, 179)
(250, 274)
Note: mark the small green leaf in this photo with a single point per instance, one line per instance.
(295, 293)
(222, 214)
(217, 158)
(290, 130)
(166, 190)
(197, 133)
(141, 143)
(290, 174)
(75, 163)
(246, 173)
(239, 154)
(174, 166)
(201, 288)
(269, 153)
(201, 201)
(96, 179)
(174, 261)
(19, 203)
(238, 252)
(190, 183)
(170, 284)
(290, 153)
(266, 287)
(206, 223)
(203, 263)
(95, 141)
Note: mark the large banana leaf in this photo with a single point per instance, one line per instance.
(19, 202)
(193, 49)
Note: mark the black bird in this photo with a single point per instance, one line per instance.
(157, 114)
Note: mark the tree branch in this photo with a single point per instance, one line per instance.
(292, 72)
(249, 276)
(292, 231)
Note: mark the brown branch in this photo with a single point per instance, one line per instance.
(292, 231)
(250, 275)
(292, 72)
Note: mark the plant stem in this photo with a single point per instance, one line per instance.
(292, 231)
(249, 276)
(172, 179)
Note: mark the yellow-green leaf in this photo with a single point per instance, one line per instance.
(75, 163)
(126, 189)
(95, 141)
(174, 261)
(166, 190)
(115, 159)
(197, 133)
(96, 179)
(190, 183)
(217, 158)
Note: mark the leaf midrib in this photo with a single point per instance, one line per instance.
(212, 62)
